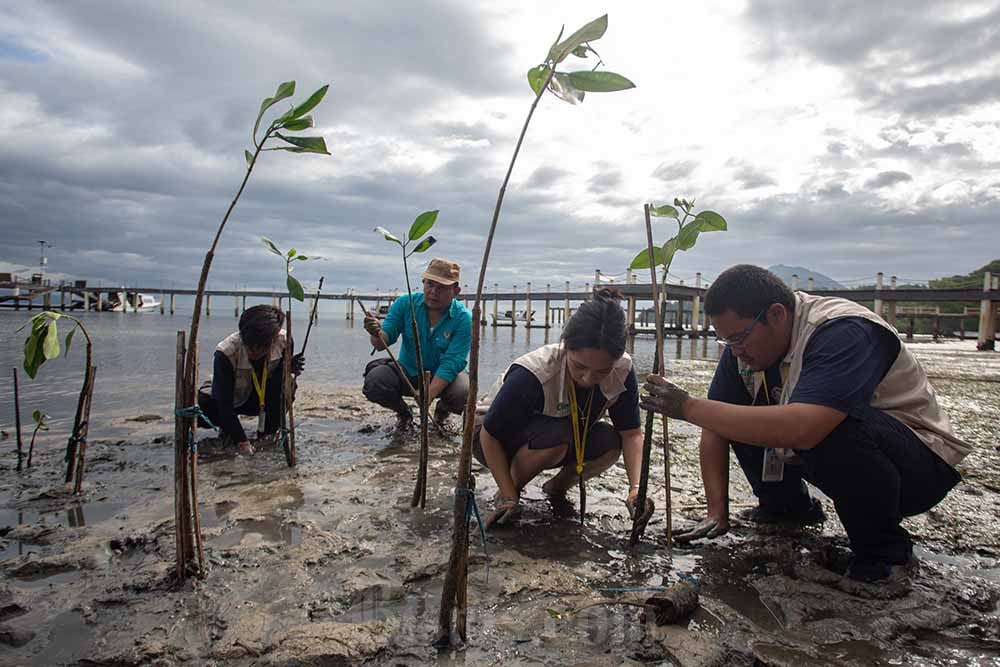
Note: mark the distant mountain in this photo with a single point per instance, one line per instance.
(786, 273)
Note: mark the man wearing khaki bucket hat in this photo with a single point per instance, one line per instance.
(445, 328)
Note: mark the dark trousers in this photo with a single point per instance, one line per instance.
(272, 410)
(384, 384)
(541, 432)
(875, 470)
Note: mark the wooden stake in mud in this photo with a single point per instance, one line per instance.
(647, 443)
(289, 400)
(81, 426)
(182, 499)
(191, 451)
(17, 418)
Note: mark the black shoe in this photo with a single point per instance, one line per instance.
(404, 422)
(806, 514)
(878, 578)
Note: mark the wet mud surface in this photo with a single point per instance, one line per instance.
(328, 564)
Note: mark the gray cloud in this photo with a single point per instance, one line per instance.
(674, 171)
(887, 179)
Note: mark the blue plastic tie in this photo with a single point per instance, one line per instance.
(195, 412)
(471, 508)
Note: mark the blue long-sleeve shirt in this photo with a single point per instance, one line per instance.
(445, 348)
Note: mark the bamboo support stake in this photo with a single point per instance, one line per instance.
(313, 317)
(181, 515)
(17, 418)
(287, 390)
(191, 451)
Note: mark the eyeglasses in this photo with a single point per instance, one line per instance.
(739, 339)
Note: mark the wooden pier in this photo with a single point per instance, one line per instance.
(685, 316)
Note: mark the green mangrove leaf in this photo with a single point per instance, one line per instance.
(599, 82)
(688, 236)
(306, 106)
(303, 258)
(537, 76)
(298, 124)
(249, 156)
(291, 253)
(677, 202)
(641, 261)
(711, 221)
(422, 224)
(36, 416)
(563, 88)
(30, 349)
(665, 211)
(295, 289)
(307, 144)
(51, 344)
(425, 244)
(286, 89)
(387, 234)
(69, 339)
(591, 32)
(269, 244)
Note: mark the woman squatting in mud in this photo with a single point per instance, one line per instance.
(545, 410)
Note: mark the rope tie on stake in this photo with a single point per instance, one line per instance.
(472, 509)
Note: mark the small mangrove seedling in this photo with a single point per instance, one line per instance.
(39, 418)
(651, 257)
(186, 515)
(420, 226)
(41, 345)
(569, 87)
(295, 291)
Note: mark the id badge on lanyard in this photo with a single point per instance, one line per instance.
(774, 467)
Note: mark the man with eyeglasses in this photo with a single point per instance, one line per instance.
(445, 328)
(817, 389)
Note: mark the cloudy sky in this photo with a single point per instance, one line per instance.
(849, 137)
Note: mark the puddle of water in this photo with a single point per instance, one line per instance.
(43, 579)
(253, 531)
(71, 516)
(70, 638)
(966, 565)
(15, 548)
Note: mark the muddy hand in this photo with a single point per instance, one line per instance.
(707, 528)
(504, 515)
(372, 325)
(646, 515)
(664, 397)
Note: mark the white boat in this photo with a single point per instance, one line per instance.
(508, 318)
(132, 302)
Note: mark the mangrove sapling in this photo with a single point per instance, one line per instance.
(41, 345)
(651, 257)
(421, 225)
(39, 418)
(570, 87)
(295, 291)
(185, 510)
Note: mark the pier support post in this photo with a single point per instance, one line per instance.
(243, 303)
(163, 305)
(548, 292)
(527, 306)
(513, 307)
(597, 278)
(795, 281)
(62, 296)
(566, 305)
(172, 303)
(86, 301)
(236, 306)
(208, 305)
(890, 307)
(987, 317)
(877, 307)
(696, 308)
(496, 302)
(100, 303)
(810, 284)
(587, 292)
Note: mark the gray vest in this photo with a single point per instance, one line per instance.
(232, 346)
(904, 392)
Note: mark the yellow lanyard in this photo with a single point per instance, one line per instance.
(580, 444)
(767, 392)
(260, 385)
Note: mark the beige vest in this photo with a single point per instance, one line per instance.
(904, 392)
(232, 346)
(548, 364)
